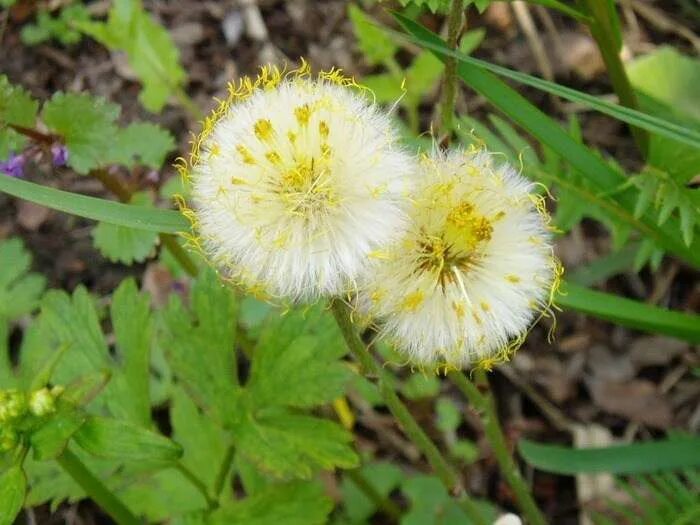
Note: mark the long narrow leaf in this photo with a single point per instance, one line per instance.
(628, 312)
(630, 116)
(138, 217)
(599, 174)
(619, 459)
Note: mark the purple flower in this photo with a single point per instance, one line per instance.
(59, 155)
(14, 166)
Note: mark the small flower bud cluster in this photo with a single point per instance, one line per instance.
(17, 408)
(301, 190)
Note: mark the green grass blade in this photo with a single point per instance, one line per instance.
(630, 313)
(138, 217)
(601, 176)
(618, 459)
(418, 36)
(563, 8)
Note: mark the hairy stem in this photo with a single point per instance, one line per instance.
(410, 426)
(480, 396)
(388, 507)
(603, 32)
(449, 87)
(96, 490)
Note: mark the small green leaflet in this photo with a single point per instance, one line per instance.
(141, 143)
(149, 48)
(87, 125)
(124, 244)
(59, 27)
(384, 477)
(114, 439)
(16, 107)
(374, 43)
(20, 289)
(296, 503)
(13, 485)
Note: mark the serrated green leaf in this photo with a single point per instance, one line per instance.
(13, 485)
(374, 43)
(16, 107)
(87, 125)
(382, 476)
(51, 438)
(448, 415)
(200, 345)
(204, 443)
(114, 439)
(164, 496)
(293, 445)
(141, 143)
(295, 503)
(123, 244)
(150, 50)
(19, 288)
(133, 331)
(297, 362)
(436, 6)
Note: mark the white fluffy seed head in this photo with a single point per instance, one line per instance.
(463, 286)
(295, 181)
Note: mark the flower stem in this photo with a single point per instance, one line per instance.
(480, 396)
(449, 89)
(95, 489)
(223, 471)
(602, 29)
(410, 426)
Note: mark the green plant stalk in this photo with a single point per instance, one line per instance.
(388, 507)
(480, 396)
(224, 469)
(413, 431)
(602, 31)
(449, 89)
(197, 484)
(96, 490)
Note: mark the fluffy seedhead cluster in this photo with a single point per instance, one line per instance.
(473, 270)
(300, 190)
(295, 181)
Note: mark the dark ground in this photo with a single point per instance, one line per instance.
(596, 382)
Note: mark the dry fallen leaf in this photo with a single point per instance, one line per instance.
(637, 400)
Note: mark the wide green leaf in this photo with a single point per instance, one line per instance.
(13, 485)
(630, 313)
(16, 107)
(141, 143)
(51, 438)
(138, 217)
(286, 444)
(149, 48)
(678, 453)
(296, 503)
(86, 124)
(296, 362)
(114, 439)
(19, 288)
(199, 344)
